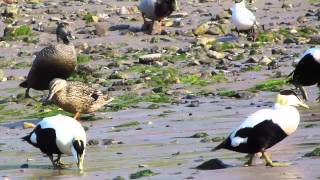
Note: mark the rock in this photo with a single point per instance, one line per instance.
(201, 29)
(11, 11)
(314, 40)
(200, 135)
(1, 75)
(123, 11)
(204, 41)
(252, 60)
(101, 29)
(289, 41)
(215, 54)
(287, 5)
(24, 166)
(119, 178)
(212, 165)
(93, 142)
(265, 60)
(149, 58)
(194, 104)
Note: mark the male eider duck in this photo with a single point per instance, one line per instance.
(243, 19)
(55, 61)
(156, 10)
(265, 128)
(76, 97)
(59, 135)
(307, 71)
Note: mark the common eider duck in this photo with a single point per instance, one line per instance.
(55, 61)
(265, 128)
(76, 97)
(243, 19)
(307, 71)
(59, 135)
(156, 10)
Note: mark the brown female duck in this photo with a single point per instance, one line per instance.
(76, 97)
(55, 61)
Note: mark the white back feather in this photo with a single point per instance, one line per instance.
(66, 129)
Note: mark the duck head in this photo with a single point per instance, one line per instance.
(289, 98)
(78, 151)
(63, 32)
(55, 86)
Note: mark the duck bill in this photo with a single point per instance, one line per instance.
(50, 96)
(80, 162)
(303, 105)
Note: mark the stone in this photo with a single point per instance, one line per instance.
(101, 29)
(215, 54)
(201, 29)
(265, 60)
(149, 58)
(212, 164)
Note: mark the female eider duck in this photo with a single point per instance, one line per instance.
(59, 135)
(76, 97)
(265, 128)
(243, 19)
(55, 61)
(307, 71)
(156, 10)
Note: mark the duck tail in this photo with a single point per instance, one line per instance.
(220, 146)
(26, 138)
(24, 84)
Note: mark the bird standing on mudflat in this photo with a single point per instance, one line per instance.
(55, 61)
(156, 10)
(265, 128)
(243, 19)
(59, 135)
(76, 97)
(307, 71)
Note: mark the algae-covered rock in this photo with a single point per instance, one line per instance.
(315, 152)
(212, 164)
(200, 135)
(143, 173)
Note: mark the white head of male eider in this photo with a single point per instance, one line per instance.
(307, 71)
(55, 86)
(59, 135)
(266, 127)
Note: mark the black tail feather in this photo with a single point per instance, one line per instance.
(220, 146)
(24, 84)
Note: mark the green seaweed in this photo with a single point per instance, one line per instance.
(23, 30)
(83, 58)
(89, 17)
(128, 124)
(143, 173)
(227, 93)
(273, 85)
(194, 80)
(315, 152)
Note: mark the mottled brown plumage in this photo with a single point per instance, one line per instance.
(55, 61)
(76, 97)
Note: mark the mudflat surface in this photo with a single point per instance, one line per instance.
(158, 140)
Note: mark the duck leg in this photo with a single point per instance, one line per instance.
(270, 163)
(55, 166)
(27, 93)
(304, 92)
(144, 25)
(61, 164)
(77, 116)
(250, 160)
